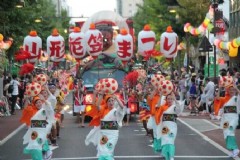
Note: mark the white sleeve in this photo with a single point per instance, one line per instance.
(238, 103)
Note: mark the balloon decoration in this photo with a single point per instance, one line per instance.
(169, 43)
(146, 40)
(33, 89)
(181, 46)
(206, 24)
(5, 45)
(33, 44)
(94, 41)
(77, 45)
(55, 46)
(124, 46)
(232, 46)
(107, 85)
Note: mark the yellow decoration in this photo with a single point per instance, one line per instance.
(1, 37)
(233, 52)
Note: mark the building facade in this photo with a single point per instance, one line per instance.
(128, 8)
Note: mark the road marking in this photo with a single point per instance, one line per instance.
(12, 134)
(206, 138)
(136, 157)
(218, 127)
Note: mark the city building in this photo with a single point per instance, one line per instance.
(61, 5)
(128, 8)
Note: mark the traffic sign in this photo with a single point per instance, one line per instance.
(211, 70)
(205, 45)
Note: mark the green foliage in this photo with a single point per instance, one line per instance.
(18, 22)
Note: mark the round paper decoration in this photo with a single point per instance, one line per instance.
(33, 89)
(225, 81)
(166, 87)
(107, 85)
(156, 79)
(41, 79)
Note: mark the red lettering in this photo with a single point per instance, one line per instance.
(95, 43)
(123, 48)
(75, 46)
(55, 48)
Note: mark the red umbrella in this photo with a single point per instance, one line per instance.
(22, 55)
(26, 68)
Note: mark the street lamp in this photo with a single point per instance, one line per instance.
(20, 4)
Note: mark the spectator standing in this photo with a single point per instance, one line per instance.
(22, 89)
(15, 93)
(208, 93)
(182, 88)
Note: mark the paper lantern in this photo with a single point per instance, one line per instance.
(33, 44)
(124, 46)
(169, 43)
(107, 85)
(77, 45)
(33, 89)
(156, 79)
(55, 46)
(166, 87)
(146, 40)
(94, 41)
(41, 79)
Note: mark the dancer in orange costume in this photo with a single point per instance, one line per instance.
(106, 119)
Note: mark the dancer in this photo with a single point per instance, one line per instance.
(36, 136)
(106, 119)
(166, 125)
(230, 106)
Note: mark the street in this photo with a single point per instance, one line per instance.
(132, 144)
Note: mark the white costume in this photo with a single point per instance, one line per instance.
(105, 136)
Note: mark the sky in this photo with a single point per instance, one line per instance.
(86, 8)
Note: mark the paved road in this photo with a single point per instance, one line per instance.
(133, 144)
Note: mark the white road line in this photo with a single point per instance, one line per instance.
(218, 127)
(12, 134)
(136, 157)
(206, 138)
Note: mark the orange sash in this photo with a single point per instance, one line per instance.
(218, 103)
(159, 112)
(97, 115)
(152, 104)
(28, 113)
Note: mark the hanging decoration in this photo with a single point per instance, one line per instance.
(33, 44)
(231, 46)
(94, 41)
(5, 45)
(124, 46)
(77, 45)
(156, 79)
(146, 40)
(41, 79)
(55, 46)
(206, 24)
(169, 43)
(22, 55)
(26, 68)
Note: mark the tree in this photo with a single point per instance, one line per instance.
(18, 22)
